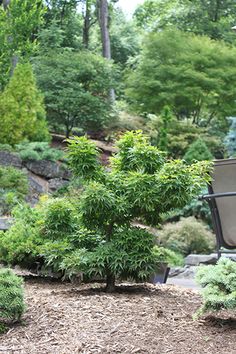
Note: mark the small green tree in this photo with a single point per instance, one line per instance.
(198, 151)
(141, 184)
(21, 109)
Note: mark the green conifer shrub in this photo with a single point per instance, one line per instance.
(21, 109)
(198, 151)
(219, 286)
(12, 304)
(141, 184)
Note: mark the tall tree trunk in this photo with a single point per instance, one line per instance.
(103, 20)
(86, 27)
(14, 59)
(104, 26)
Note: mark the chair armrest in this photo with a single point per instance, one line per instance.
(217, 195)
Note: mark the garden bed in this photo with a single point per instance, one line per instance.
(65, 318)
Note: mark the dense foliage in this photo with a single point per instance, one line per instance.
(77, 96)
(198, 151)
(141, 184)
(38, 150)
(22, 109)
(11, 296)
(187, 236)
(13, 188)
(219, 286)
(193, 75)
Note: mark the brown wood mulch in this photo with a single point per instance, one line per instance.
(66, 318)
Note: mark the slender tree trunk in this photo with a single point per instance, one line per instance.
(104, 26)
(103, 20)
(86, 27)
(110, 278)
(15, 58)
(110, 283)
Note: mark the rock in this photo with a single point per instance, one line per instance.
(5, 223)
(10, 159)
(47, 169)
(56, 183)
(196, 259)
(35, 186)
(187, 272)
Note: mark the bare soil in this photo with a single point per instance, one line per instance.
(65, 318)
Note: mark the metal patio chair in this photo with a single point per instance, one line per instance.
(222, 201)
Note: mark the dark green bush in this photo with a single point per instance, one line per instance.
(19, 245)
(12, 304)
(198, 151)
(60, 218)
(187, 236)
(219, 286)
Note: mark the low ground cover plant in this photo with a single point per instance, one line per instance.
(38, 151)
(13, 188)
(219, 286)
(186, 236)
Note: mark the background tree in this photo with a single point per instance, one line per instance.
(22, 109)
(193, 75)
(75, 86)
(19, 24)
(141, 184)
(212, 18)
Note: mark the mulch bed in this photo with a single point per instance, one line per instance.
(64, 318)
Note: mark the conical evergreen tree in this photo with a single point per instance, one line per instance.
(198, 151)
(21, 109)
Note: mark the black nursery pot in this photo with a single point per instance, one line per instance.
(161, 274)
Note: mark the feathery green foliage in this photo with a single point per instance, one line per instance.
(21, 109)
(219, 286)
(12, 304)
(140, 184)
(13, 188)
(198, 151)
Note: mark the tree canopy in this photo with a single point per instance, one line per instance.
(193, 75)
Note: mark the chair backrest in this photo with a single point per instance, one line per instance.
(224, 208)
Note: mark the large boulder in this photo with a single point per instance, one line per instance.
(5, 223)
(48, 169)
(10, 159)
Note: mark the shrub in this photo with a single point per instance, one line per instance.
(19, 245)
(13, 188)
(219, 286)
(165, 255)
(21, 109)
(38, 151)
(198, 151)
(187, 236)
(11, 296)
(141, 184)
